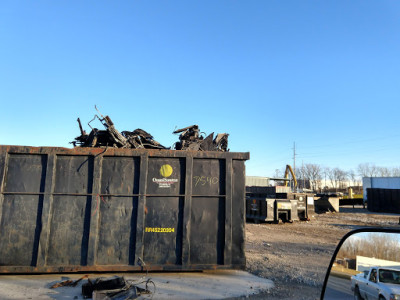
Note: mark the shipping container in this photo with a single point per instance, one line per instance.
(109, 209)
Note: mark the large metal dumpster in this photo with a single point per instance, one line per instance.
(260, 209)
(383, 200)
(260, 205)
(271, 210)
(93, 209)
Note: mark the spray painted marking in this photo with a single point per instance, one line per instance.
(159, 229)
(203, 180)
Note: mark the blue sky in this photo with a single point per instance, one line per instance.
(323, 74)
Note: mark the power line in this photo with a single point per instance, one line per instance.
(346, 152)
(354, 141)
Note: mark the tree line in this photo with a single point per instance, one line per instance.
(320, 178)
(377, 245)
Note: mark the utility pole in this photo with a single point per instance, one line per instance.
(302, 173)
(294, 158)
(294, 163)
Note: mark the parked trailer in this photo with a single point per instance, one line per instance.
(96, 209)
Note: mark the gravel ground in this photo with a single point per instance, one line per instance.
(295, 256)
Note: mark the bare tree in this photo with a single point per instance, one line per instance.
(338, 178)
(377, 245)
(371, 170)
(331, 176)
(367, 170)
(383, 172)
(313, 172)
(325, 173)
(352, 176)
(278, 174)
(302, 181)
(396, 171)
(356, 180)
(341, 176)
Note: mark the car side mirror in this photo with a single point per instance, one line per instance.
(357, 254)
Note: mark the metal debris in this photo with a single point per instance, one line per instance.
(68, 282)
(141, 139)
(111, 137)
(190, 138)
(116, 288)
(221, 142)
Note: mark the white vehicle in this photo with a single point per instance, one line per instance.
(379, 283)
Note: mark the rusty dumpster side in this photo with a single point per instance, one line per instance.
(94, 209)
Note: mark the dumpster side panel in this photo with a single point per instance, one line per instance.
(117, 230)
(21, 213)
(238, 212)
(25, 173)
(163, 230)
(163, 209)
(19, 216)
(207, 230)
(71, 211)
(89, 209)
(208, 212)
(120, 175)
(69, 231)
(117, 209)
(74, 174)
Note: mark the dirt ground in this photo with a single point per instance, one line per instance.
(296, 256)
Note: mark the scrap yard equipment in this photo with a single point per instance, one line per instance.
(285, 207)
(287, 170)
(276, 204)
(262, 209)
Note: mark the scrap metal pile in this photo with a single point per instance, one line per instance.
(116, 288)
(190, 138)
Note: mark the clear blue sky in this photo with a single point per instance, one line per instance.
(323, 74)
